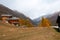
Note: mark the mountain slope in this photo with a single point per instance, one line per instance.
(51, 17)
(6, 10)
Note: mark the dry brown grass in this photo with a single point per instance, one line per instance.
(32, 33)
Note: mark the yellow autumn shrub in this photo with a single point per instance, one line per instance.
(25, 22)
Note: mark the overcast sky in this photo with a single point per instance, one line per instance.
(33, 8)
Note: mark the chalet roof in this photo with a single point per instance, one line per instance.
(6, 15)
(13, 18)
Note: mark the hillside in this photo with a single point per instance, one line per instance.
(9, 32)
(6, 10)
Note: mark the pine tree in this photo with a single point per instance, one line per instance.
(44, 22)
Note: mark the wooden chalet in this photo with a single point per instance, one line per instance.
(4, 17)
(14, 20)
